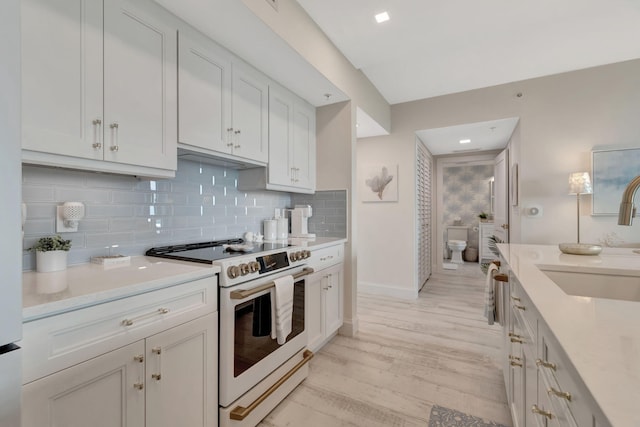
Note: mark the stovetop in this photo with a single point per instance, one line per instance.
(210, 252)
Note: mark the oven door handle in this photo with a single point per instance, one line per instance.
(242, 294)
(239, 413)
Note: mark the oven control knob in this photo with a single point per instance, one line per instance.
(254, 266)
(244, 269)
(299, 255)
(233, 271)
(306, 254)
(293, 256)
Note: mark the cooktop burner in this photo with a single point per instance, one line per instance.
(208, 252)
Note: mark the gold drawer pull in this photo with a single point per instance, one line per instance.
(562, 394)
(544, 363)
(514, 363)
(542, 412)
(515, 298)
(239, 413)
(512, 357)
(138, 386)
(518, 340)
(520, 307)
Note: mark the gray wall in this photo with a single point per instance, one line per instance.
(201, 203)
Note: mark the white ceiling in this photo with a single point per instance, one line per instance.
(428, 47)
(490, 135)
(434, 47)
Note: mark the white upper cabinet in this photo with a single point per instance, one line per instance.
(222, 103)
(292, 147)
(249, 103)
(99, 86)
(204, 100)
(292, 140)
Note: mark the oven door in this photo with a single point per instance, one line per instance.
(248, 353)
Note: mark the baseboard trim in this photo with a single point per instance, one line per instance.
(349, 327)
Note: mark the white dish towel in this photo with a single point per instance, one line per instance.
(283, 303)
(489, 295)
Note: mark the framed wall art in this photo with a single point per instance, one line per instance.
(379, 183)
(612, 170)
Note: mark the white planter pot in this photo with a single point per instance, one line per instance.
(51, 261)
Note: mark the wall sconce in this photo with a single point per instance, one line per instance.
(68, 216)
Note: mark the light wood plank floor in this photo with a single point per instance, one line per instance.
(407, 357)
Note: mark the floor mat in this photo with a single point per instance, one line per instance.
(445, 417)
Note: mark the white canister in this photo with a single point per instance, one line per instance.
(283, 228)
(270, 229)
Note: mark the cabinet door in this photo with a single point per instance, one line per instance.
(204, 98)
(62, 77)
(304, 146)
(107, 391)
(314, 319)
(140, 105)
(333, 299)
(280, 137)
(249, 103)
(182, 369)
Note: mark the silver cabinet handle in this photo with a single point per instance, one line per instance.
(114, 137)
(140, 384)
(97, 127)
(158, 375)
(237, 143)
(229, 137)
(130, 322)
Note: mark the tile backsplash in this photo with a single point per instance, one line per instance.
(329, 217)
(201, 203)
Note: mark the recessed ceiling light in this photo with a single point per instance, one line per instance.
(382, 17)
(465, 141)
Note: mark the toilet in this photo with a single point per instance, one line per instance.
(457, 242)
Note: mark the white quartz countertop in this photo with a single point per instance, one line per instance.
(600, 336)
(46, 294)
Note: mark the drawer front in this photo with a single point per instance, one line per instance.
(559, 375)
(523, 307)
(57, 342)
(326, 257)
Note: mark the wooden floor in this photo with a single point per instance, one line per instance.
(407, 357)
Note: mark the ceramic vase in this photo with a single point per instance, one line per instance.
(47, 262)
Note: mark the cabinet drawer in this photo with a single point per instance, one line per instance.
(559, 374)
(326, 257)
(54, 343)
(523, 307)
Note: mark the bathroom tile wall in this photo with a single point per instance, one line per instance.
(465, 195)
(201, 203)
(329, 217)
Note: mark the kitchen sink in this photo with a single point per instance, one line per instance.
(595, 284)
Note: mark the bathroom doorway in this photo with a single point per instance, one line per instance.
(465, 189)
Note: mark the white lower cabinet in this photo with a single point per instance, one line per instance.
(168, 379)
(324, 305)
(543, 388)
(145, 360)
(99, 392)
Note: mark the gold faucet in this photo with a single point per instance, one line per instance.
(627, 209)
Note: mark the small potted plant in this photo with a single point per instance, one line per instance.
(483, 216)
(51, 253)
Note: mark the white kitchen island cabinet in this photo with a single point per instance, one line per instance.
(222, 103)
(99, 86)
